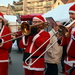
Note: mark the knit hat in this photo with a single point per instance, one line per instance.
(40, 17)
(72, 9)
(1, 16)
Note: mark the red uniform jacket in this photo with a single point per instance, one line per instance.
(33, 43)
(70, 43)
(5, 46)
(19, 33)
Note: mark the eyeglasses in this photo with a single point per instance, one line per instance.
(36, 21)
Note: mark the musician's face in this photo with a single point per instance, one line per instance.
(36, 21)
(72, 16)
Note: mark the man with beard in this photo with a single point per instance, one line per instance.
(32, 42)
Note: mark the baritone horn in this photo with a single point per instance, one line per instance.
(26, 28)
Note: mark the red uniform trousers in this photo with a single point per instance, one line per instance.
(32, 72)
(67, 67)
(4, 68)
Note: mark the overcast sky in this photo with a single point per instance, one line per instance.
(6, 2)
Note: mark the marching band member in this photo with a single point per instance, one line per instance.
(32, 43)
(4, 47)
(69, 41)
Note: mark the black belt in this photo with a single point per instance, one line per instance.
(71, 56)
(37, 57)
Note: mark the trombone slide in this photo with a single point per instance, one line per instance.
(70, 24)
(11, 39)
(42, 53)
(9, 34)
(38, 49)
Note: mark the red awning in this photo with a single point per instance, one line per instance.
(28, 17)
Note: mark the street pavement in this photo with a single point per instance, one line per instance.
(16, 67)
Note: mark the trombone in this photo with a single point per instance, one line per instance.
(63, 31)
(38, 49)
(26, 29)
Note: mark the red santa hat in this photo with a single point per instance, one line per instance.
(40, 17)
(1, 16)
(72, 9)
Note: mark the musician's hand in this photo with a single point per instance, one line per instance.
(16, 33)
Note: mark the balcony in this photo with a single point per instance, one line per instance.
(18, 9)
(18, 3)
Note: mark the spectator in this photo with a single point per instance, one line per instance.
(54, 54)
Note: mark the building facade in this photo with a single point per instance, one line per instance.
(18, 7)
(24, 7)
(7, 10)
(34, 6)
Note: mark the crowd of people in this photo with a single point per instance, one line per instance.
(61, 52)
